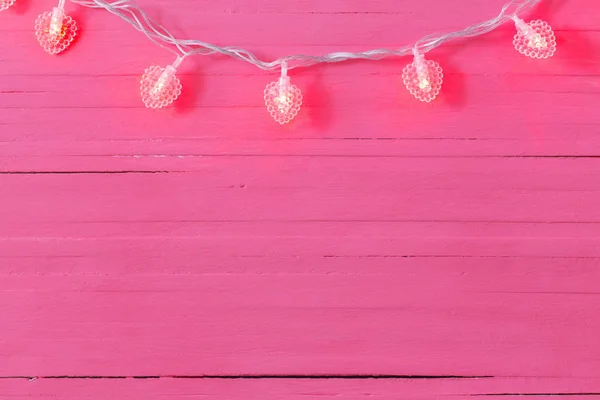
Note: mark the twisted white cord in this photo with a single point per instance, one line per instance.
(137, 17)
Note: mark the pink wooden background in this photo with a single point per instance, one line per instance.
(449, 249)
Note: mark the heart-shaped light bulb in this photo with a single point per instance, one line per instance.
(423, 78)
(283, 100)
(534, 39)
(160, 86)
(54, 30)
(4, 4)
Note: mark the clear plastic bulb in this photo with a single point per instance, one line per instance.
(534, 39)
(4, 4)
(537, 41)
(423, 78)
(424, 84)
(56, 21)
(54, 30)
(159, 86)
(282, 99)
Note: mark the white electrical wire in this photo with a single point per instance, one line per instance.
(137, 17)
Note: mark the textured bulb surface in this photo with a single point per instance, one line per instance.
(536, 40)
(54, 31)
(4, 4)
(283, 100)
(159, 87)
(423, 81)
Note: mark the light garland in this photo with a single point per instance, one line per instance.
(160, 86)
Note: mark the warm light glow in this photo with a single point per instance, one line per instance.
(423, 78)
(54, 30)
(537, 41)
(157, 88)
(534, 39)
(283, 100)
(162, 82)
(56, 22)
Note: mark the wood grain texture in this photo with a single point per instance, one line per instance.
(280, 389)
(376, 248)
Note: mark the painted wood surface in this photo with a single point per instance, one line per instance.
(300, 389)
(377, 248)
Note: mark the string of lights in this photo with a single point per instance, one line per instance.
(160, 87)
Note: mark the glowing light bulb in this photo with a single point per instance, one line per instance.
(537, 41)
(534, 39)
(4, 4)
(163, 80)
(423, 78)
(54, 30)
(160, 87)
(56, 22)
(283, 100)
(424, 84)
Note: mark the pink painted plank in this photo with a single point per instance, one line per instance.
(258, 174)
(195, 248)
(129, 389)
(308, 165)
(184, 196)
(400, 321)
(99, 258)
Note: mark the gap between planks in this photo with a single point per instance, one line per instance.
(303, 377)
(385, 376)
